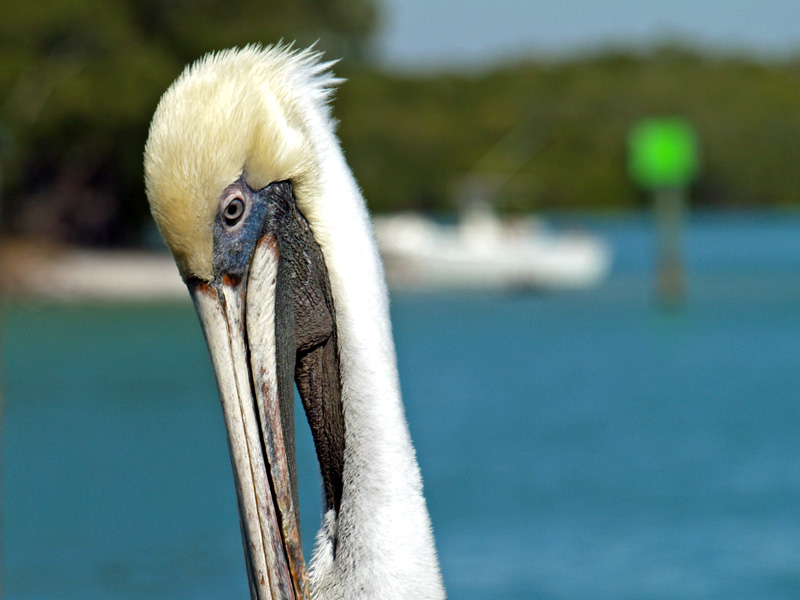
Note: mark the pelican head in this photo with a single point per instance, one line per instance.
(249, 188)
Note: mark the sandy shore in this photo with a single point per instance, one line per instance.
(35, 270)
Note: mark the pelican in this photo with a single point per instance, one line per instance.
(249, 187)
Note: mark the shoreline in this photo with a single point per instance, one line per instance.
(31, 270)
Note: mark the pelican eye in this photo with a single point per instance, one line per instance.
(233, 211)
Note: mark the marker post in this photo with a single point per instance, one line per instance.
(664, 160)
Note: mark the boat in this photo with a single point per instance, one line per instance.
(482, 251)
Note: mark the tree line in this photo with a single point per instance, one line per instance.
(81, 79)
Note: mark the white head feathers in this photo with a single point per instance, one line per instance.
(231, 112)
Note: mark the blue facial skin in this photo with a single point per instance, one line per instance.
(234, 243)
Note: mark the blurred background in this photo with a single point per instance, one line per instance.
(589, 215)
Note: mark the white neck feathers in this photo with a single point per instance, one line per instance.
(384, 543)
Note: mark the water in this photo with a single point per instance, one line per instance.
(574, 446)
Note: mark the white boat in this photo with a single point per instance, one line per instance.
(483, 252)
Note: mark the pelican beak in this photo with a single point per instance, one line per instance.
(243, 322)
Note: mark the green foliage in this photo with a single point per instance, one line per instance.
(81, 78)
(555, 135)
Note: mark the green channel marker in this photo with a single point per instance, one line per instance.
(663, 154)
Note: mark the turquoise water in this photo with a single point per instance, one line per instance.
(574, 446)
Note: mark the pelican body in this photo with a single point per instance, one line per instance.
(249, 187)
